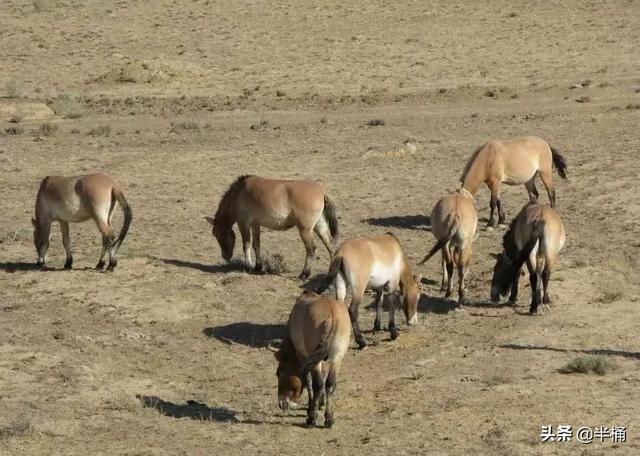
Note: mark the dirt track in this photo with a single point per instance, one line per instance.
(196, 93)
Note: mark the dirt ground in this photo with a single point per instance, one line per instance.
(167, 355)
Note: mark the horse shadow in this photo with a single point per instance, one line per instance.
(593, 351)
(191, 409)
(436, 304)
(246, 333)
(407, 222)
(234, 266)
(18, 266)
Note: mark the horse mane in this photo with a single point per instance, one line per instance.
(223, 207)
(470, 163)
(509, 241)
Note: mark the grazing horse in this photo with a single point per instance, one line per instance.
(319, 332)
(253, 201)
(378, 264)
(77, 199)
(454, 221)
(536, 237)
(514, 162)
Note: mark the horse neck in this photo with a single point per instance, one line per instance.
(473, 179)
(406, 277)
(226, 213)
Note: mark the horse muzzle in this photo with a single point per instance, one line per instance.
(286, 404)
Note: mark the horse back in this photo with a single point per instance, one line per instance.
(553, 237)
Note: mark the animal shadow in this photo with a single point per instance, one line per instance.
(191, 409)
(246, 333)
(407, 222)
(234, 266)
(435, 304)
(20, 266)
(594, 351)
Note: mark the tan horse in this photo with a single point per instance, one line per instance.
(536, 237)
(319, 332)
(253, 201)
(378, 264)
(77, 199)
(514, 162)
(454, 221)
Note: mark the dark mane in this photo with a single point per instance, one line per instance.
(472, 159)
(224, 201)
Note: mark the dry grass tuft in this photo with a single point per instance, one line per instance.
(274, 264)
(68, 106)
(103, 130)
(17, 427)
(588, 364)
(14, 88)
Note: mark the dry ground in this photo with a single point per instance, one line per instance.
(167, 354)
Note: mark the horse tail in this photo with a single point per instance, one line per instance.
(116, 193)
(442, 242)
(329, 214)
(536, 236)
(334, 269)
(559, 162)
(322, 351)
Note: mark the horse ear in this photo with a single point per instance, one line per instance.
(211, 220)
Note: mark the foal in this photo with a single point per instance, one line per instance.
(253, 201)
(535, 236)
(318, 339)
(513, 162)
(77, 199)
(378, 264)
(454, 221)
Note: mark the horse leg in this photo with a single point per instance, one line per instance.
(546, 274)
(449, 264)
(317, 380)
(45, 233)
(255, 238)
(378, 302)
(66, 242)
(445, 279)
(530, 185)
(535, 282)
(463, 267)
(547, 180)
(494, 204)
(394, 302)
(245, 234)
(353, 314)
(513, 297)
(322, 231)
(330, 387)
(309, 383)
(341, 288)
(310, 247)
(101, 218)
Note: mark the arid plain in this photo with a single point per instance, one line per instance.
(167, 355)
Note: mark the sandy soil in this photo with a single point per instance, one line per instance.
(167, 355)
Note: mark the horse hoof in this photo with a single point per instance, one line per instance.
(304, 276)
(328, 423)
(100, 265)
(362, 344)
(68, 263)
(394, 333)
(311, 422)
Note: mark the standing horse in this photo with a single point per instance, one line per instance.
(253, 201)
(378, 264)
(454, 221)
(77, 199)
(318, 339)
(536, 237)
(513, 162)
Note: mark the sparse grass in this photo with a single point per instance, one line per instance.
(611, 296)
(40, 5)
(16, 118)
(14, 130)
(189, 125)
(497, 380)
(17, 427)
(376, 123)
(47, 129)
(14, 88)
(588, 364)
(274, 264)
(68, 106)
(103, 130)
(263, 124)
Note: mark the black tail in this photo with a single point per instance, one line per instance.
(536, 235)
(559, 162)
(128, 216)
(334, 270)
(442, 242)
(330, 216)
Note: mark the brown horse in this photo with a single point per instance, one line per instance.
(378, 264)
(454, 221)
(253, 201)
(319, 332)
(514, 162)
(77, 199)
(536, 237)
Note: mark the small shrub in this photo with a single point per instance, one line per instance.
(47, 129)
(274, 264)
(376, 123)
(16, 118)
(193, 126)
(610, 296)
(103, 130)
(280, 93)
(14, 88)
(18, 427)
(14, 130)
(588, 364)
(39, 5)
(263, 124)
(68, 106)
